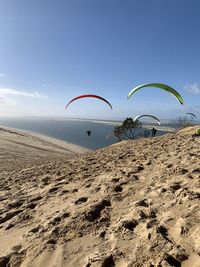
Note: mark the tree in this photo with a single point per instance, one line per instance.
(182, 122)
(127, 129)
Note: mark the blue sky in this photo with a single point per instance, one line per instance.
(51, 51)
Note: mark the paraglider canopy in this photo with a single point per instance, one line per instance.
(192, 114)
(158, 85)
(150, 116)
(86, 96)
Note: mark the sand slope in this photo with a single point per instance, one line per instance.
(135, 203)
(18, 147)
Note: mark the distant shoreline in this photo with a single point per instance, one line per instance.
(117, 122)
(57, 143)
(72, 131)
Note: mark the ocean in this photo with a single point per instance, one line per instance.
(71, 130)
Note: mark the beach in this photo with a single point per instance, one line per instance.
(21, 147)
(70, 131)
(134, 203)
(74, 130)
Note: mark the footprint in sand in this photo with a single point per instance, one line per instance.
(81, 200)
(94, 210)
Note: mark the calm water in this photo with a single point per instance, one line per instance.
(73, 131)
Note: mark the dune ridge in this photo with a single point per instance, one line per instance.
(135, 203)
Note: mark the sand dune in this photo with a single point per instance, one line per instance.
(20, 147)
(135, 203)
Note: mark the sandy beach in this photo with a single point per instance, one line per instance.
(134, 203)
(25, 147)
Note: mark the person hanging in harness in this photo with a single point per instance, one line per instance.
(88, 132)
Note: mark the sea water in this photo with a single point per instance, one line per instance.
(72, 130)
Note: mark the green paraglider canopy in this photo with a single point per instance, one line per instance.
(158, 85)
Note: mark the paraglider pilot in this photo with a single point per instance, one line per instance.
(153, 132)
(88, 132)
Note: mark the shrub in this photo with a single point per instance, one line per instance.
(127, 130)
(182, 122)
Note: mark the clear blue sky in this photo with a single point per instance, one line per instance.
(51, 51)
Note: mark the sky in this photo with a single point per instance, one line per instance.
(52, 51)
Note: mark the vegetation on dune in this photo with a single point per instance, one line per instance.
(127, 130)
(182, 122)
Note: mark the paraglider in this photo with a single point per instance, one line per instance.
(88, 95)
(151, 116)
(153, 132)
(88, 132)
(192, 114)
(158, 85)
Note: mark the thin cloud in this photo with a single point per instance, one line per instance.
(193, 88)
(46, 85)
(13, 92)
(2, 75)
(2, 100)
(6, 100)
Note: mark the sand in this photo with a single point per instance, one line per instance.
(135, 203)
(25, 147)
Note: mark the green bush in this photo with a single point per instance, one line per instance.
(127, 130)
